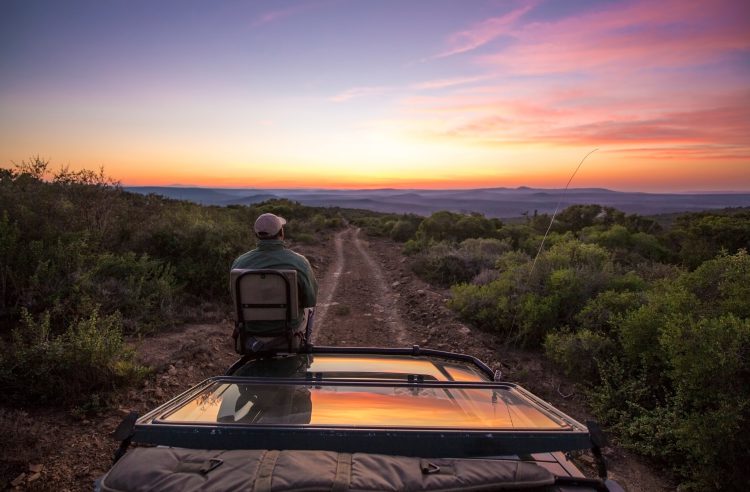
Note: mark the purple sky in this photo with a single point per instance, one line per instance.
(370, 93)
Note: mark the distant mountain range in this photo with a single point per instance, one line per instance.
(492, 202)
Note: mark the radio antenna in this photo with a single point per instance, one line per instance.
(546, 233)
(557, 208)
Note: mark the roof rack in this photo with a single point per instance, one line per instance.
(415, 351)
(471, 434)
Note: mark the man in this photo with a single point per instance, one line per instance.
(272, 254)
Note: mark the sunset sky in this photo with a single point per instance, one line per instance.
(354, 93)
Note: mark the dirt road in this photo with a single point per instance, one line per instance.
(368, 297)
(357, 290)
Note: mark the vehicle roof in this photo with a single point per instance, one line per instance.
(360, 399)
(386, 401)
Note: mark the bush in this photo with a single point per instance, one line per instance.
(452, 227)
(709, 361)
(630, 247)
(601, 313)
(701, 236)
(681, 389)
(199, 243)
(579, 353)
(142, 289)
(305, 238)
(377, 225)
(525, 304)
(483, 252)
(489, 306)
(88, 358)
(446, 264)
(74, 239)
(441, 265)
(485, 276)
(403, 230)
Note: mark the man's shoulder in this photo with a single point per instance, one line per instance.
(243, 258)
(296, 257)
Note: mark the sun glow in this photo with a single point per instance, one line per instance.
(509, 96)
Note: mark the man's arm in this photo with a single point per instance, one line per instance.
(308, 285)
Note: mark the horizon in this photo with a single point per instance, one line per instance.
(337, 94)
(390, 188)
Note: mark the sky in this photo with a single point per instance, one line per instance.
(386, 93)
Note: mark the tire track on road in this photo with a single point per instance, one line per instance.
(387, 296)
(368, 312)
(329, 284)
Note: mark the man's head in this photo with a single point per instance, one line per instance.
(269, 226)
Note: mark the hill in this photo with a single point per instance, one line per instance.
(492, 202)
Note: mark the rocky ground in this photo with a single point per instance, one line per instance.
(368, 296)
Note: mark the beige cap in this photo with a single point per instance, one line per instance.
(269, 225)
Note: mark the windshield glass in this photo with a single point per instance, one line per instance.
(364, 405)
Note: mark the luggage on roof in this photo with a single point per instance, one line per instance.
(181, 469)
(343, 418)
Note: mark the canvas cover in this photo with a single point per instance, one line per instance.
(178, 469)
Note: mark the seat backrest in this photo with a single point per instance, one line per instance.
(265, 295)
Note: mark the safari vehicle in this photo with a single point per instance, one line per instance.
(338, 418)
(346, 418)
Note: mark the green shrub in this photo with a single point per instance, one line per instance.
(489, 306)
(580, 353)
(441, 265)
(681, 391)
(445, 263)
(10, 251)
(142, 289)
(305, 238)
(709, 361)
(601, 313)
(88, 358)
(525, 304)
(701, 236)
(722, 284)
(453, 227)
(483, 252)
(403, 230)
(377, 226)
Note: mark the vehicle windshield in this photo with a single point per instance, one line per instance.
(370, 405)
(426, 405)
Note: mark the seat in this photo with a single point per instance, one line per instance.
(267, 309)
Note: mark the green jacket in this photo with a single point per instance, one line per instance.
(273, 254)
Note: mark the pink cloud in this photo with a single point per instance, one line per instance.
(670, 33)
(712, 128)
(628, 76)
(481, 33)
(357, 92)
(274, 15)
(450, 82)
(366, 91)
(691, 152)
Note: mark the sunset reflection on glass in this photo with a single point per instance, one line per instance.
(377, 406)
